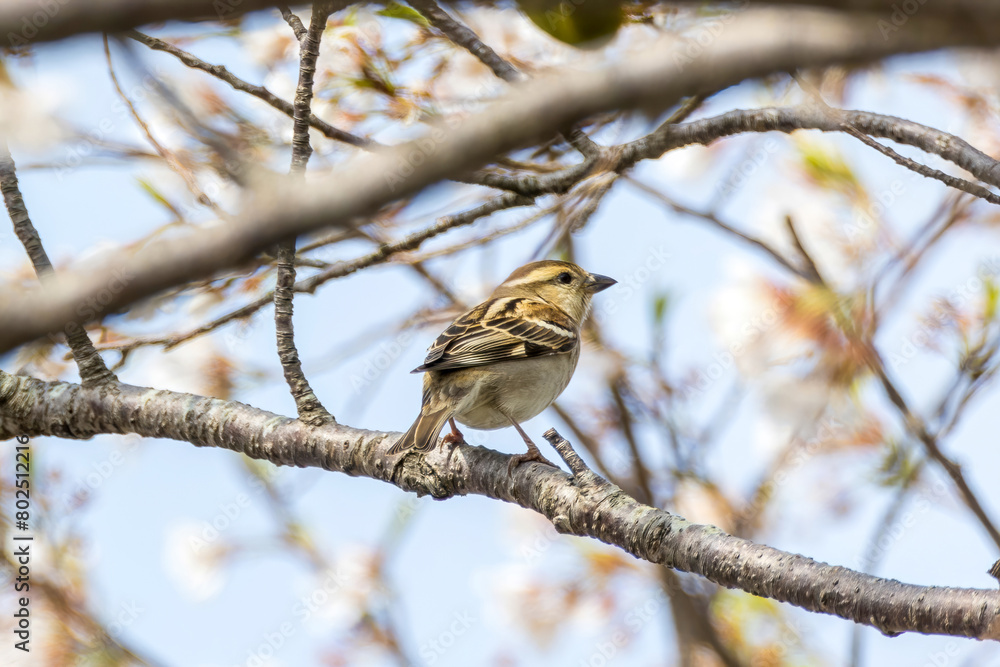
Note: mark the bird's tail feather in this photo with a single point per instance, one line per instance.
(423, 435)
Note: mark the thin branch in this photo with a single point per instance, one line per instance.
(918, 249)
(625, 421)
(463, 36)
(309, 285)
(918, 429)
(811, 267)
(260, 92)
(476, 241)
(293, 21)
(309, 407)
(526, 185)
(584, 505)
(924, 170)
(93, 370)
(589, 444)
(168, 157)
(686, 108)
(715, 220)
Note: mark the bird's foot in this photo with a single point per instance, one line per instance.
(455, 437)
(532, 455)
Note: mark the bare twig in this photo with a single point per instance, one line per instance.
(568, 455)
(309, 285)
(463, 36)
(924, 170)
(625, 421)
(918, 248)
(589, 444)
(309, 407)
(93, 370)
(294, 22)
(260, 92)
(167, 156)
(686, 108)
(811, 267)
(813, 117)
(715, 220)
(919, 430)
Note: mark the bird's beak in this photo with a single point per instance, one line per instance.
(596, 283)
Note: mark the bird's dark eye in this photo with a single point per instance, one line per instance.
(564, 278)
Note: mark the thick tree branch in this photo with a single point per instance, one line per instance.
(309, 407)
(655, 79)
(93, 370)
(583, 504)
(28, 21)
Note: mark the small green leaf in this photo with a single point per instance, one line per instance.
(661, 304)
(992, 294)
(898, 466)
(395, 10)
(827, 167)
(153, 192)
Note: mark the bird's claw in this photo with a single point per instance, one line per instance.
(453, 439)
(531, 455)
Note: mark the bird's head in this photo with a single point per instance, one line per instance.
(562, 284)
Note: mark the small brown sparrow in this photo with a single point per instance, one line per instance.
(507, 359)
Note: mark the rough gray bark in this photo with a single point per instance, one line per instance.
(789, 119)
(580, 504)
(309, 407)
